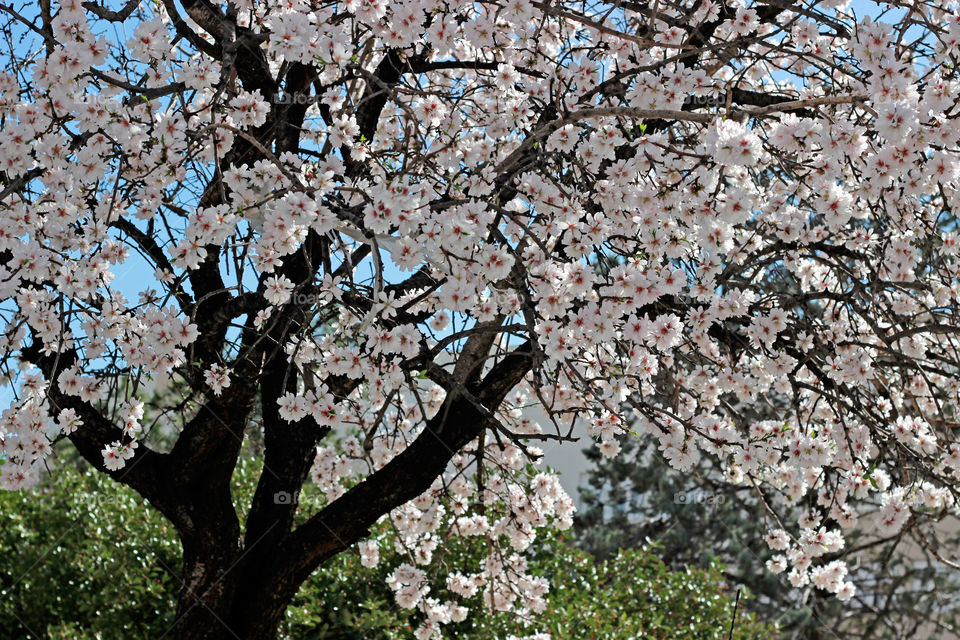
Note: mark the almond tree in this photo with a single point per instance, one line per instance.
(412, 220)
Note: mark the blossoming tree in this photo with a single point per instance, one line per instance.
(399, 224)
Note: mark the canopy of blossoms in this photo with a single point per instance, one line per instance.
(399, 226)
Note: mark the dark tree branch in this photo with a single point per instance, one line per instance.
(112, 16)
(405, 477)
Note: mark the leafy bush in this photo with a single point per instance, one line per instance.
(86, 558)
(635, 595)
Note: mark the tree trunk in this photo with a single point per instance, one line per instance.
(230, 597)
(242, 590)
(206, 598)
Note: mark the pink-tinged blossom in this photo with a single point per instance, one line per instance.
(249, 110)
(69, 421)
(278, 289)
(731, 143)
(369, 553)
(217, 378)
(116, 454)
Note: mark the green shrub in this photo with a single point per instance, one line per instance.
(86, 558)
